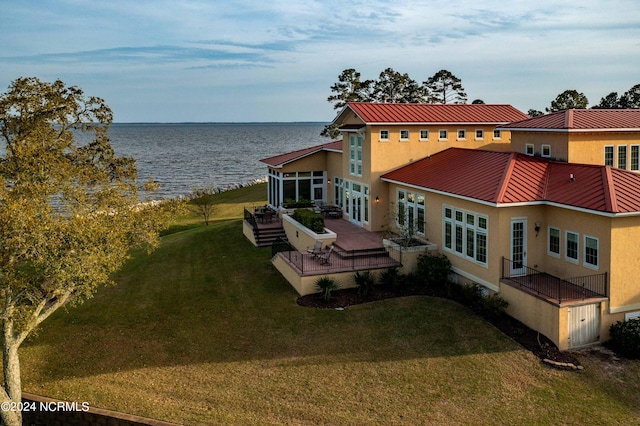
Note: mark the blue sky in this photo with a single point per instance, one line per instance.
(250, 60)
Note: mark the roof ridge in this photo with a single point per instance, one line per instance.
(609, 189)
(506, 176)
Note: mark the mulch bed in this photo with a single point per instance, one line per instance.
(530, 339)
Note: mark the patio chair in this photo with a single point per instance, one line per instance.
(326, 256)
(316, 249)
(268, 216)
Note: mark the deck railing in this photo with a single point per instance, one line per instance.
(339, 260)
(578, 288)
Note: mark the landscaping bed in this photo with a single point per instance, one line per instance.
(530, 339)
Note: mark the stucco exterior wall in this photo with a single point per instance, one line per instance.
(558, 142)
(310, 163)
(625, 265)
(588, 148)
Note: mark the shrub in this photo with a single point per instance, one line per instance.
(390, 277)
(301, 203)
(433, 270)
(625, 338)
(326, 286)
(473, 296)
(364, 282)
(310, 219)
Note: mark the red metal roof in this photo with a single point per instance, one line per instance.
(509, 177)
(383, 113)
(279, 160)
(582, 120)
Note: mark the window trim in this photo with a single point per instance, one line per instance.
(549, 251)
(622, 149)
(566, 245)
(408, 135)
(481, 137)
(450, 243)
(542, 154)
(529, 146)
(424, 130)
(637, 155)
(381, 139)
(584, 254)
(497, 134)
(613, 155)
(461, 135)
(446, 135)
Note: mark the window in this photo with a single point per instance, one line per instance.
(479, 134)
(497, 134)
(528, 149)
(465, 234)
(635, 153)
(608, 156)
(622, 156)
(590, 252)
(384, 135)
(411, 211)
(572, 246)
(443, 135)
(338, 192)
(448, 215)
(554, 242)
(355, 155)
(462, 134)
(424, 135)
(404, 135)
(546, 151)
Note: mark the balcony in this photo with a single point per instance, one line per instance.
(553, 289)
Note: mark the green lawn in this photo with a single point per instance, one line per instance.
(205, 331)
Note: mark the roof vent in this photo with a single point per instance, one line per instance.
(571, 178)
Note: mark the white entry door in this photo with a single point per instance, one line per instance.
(518, 247)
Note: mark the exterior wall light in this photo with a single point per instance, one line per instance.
(377, 199)
(537, 228)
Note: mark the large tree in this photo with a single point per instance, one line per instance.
(445, 88)
(631, 98)
(395, 87)
(609, 102)
(569, 99)
(69, 212)
(350, 88)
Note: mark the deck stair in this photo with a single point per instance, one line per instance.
(267, 236)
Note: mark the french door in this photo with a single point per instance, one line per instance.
(518, 247)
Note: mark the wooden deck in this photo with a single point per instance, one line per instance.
(553, 289)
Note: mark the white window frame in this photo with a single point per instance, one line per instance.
(412, 203)
(479, 135)
(622, 149)
(461, 135)
(468, 232)
(444, 132)
(497, 134)
(549, 252)
(548, 148)
(636, 167)
(585, 263)
(382, 137)
(404, 139)
(529, 149)
(613, 155)
(422, 138)
(566, 247)
(355, 155)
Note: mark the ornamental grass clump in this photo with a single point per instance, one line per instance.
(326, 286)
(364, 282)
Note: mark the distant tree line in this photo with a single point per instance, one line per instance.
(445, 88)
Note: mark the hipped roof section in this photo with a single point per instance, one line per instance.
(282, 159)
(507, 178)
(395, 113)
(581, 120)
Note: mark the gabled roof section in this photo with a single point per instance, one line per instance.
(581, 120)
(504, 178)
(390, 113)
(282, 159)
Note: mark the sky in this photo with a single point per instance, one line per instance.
(275, 60)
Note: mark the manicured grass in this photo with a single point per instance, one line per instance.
(205, 331)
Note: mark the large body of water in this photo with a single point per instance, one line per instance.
(182, 157)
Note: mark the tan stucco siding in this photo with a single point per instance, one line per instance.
(625, 264)
(588, 148)
(313, 162)
(558, 142)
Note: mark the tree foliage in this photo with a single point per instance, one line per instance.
(395, 87)
(569, 99)
(203, 199)
(445, 88)
(69, 212)
(631, 98)
(609, 102)
(534, 113)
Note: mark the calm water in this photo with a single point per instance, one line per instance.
(184, 156)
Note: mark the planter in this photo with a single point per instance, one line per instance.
(302, 237)
(408, 256)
